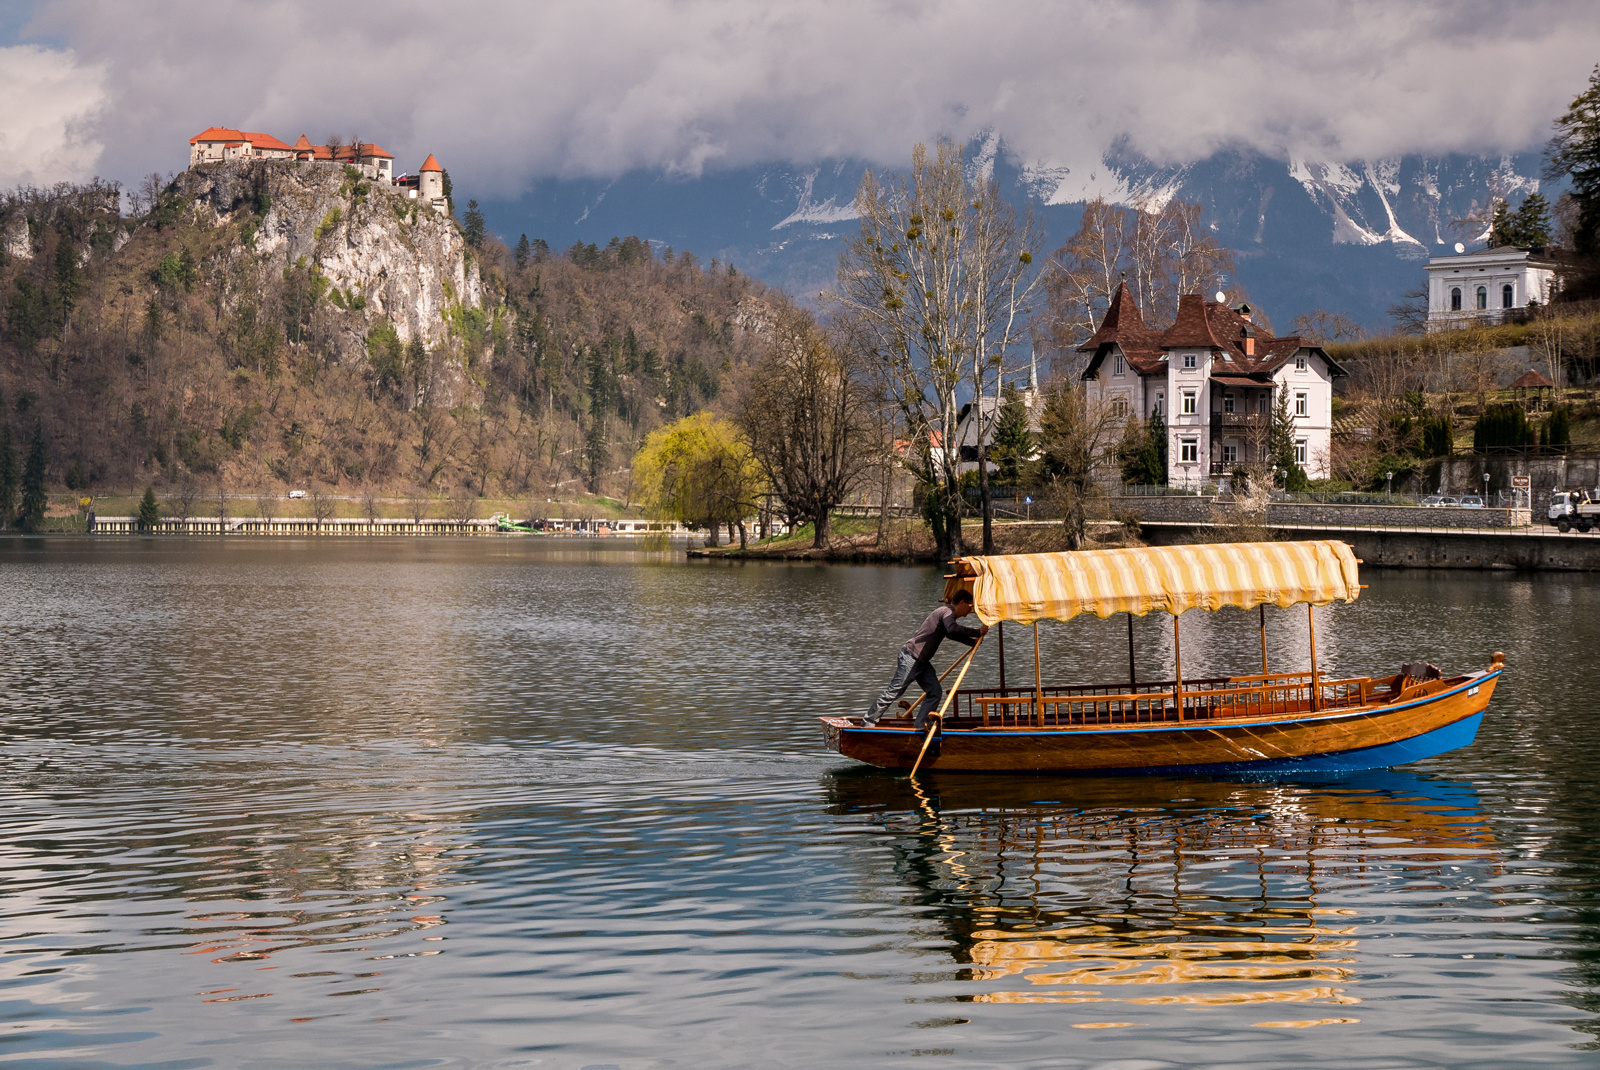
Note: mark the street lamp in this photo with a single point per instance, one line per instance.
(1486, 490)
(1388, 488)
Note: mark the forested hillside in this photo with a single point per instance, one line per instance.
(262, 331)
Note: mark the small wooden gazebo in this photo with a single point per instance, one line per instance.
(1532, 381)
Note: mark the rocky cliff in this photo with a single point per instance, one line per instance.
(385, 259)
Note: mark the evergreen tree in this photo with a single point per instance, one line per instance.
(1575, 153)
(149, 511)
(1131, 453)
(1155, 444)
(523, 251)
(10, 478)
(1437, 436)
(30, 517)
(472, 226)
(1280, 445)
(1013, 441)
(1526, 228)
(1557, 430)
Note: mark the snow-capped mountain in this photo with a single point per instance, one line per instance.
(1345, 236)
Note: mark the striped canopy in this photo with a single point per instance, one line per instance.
(1033, 587)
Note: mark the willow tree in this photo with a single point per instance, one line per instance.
(804, 415)
(699, 470)
(934, 288)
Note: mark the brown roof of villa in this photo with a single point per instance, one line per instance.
(1191, 329)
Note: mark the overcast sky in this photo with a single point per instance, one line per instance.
(506, 92)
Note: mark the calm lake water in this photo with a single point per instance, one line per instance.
(498, 803)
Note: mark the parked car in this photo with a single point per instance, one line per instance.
(297, 494)
(1471, 501)
(1434, 501)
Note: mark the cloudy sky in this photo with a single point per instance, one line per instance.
(507, 91)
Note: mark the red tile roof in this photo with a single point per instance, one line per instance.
(1123, 326)
(217, 133)
(1191, 329)
(303, 144)
(265, 141)
(430, 164)
(1532, 379)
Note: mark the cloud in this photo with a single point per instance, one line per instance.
(51, 101)
(505, 92)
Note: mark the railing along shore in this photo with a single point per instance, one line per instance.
(128, 525)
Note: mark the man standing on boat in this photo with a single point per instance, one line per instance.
(916, 659)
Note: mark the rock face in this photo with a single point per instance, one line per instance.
(386, 257)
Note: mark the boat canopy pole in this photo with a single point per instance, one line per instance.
(1311, 623)
(1133, 677)
(1177, 664)
(1002, 627)
(1263, 639)
(1038, 678)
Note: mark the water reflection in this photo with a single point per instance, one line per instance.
(1166, 892)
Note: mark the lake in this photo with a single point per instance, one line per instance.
(508, 803)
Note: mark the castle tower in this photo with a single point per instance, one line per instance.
(430, 184)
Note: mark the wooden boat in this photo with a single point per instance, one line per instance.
(1266, 722)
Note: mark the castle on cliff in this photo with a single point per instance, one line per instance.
(220, 144)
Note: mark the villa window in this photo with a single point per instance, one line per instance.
(1227, 403)
(1262, 403)
(1300, 362)
(1188, 450)
(1300, 404)
(1119, 407)
(1118, 367)
(1189, 407)
(1455, 299)
(1188, 360)
(1300, 451)
(1161, 400)
(1483, 297)
(1230, 454)
(1507, 296)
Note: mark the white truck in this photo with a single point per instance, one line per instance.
(1575, 509)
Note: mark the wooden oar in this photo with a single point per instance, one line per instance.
(938, 718)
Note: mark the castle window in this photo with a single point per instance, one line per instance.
(1455, 299)
(1507, 295)
(1483, 297)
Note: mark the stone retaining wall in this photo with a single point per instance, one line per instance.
(1196, 510)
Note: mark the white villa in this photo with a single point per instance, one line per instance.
(1212, 375)
(1482, 287)
(218, 144)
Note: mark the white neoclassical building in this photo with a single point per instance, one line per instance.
(1215, 379)
(1483, 287)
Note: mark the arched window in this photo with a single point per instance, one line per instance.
(1507, 295)
(1483, 297)
(1455, 299)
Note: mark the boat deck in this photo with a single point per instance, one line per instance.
(1276, 695)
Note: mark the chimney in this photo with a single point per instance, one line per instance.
(1248, 333)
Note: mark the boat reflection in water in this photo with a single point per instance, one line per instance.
(1210, 893)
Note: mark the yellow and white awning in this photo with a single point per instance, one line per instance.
(1033, 587)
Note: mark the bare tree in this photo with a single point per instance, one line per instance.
(267, 506)
(188, 491)
(1410, 316)
(1084, 273)
(916, 296)
(419, 505)
(369, 504)
(1319, 327)
(222, 503)
(803, 417)
(322, 503)
(1078, 437)
(463, 505)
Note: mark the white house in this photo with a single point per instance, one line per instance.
(1213, 377)
(1482, 287)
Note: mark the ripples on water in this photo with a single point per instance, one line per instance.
(502, 803)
